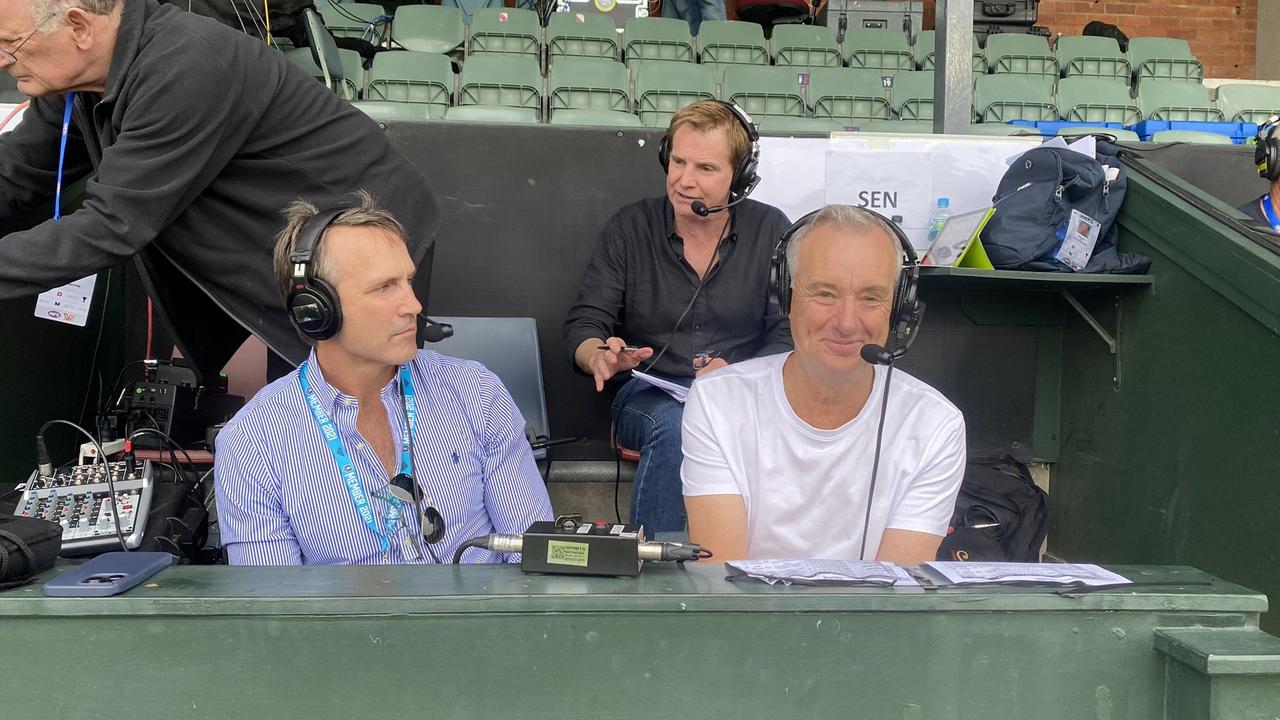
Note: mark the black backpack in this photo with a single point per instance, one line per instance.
(1000, 515)
(1106, 29)
(1034, 202)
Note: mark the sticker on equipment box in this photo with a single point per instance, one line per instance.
(560, 552)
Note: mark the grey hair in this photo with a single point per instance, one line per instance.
(43, 10)
(365, 212)
(846, 217)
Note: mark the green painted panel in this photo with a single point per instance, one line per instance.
(1179, 465)
(481, 642)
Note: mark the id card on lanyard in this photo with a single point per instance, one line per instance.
(70, 303)
(346, 464)
(1269, 211)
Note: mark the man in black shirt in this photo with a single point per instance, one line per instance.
(1266, 155)
(678, 286)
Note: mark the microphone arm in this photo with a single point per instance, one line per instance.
(432, 331)
(701, 210)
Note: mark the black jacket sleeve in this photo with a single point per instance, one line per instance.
(175, 136)
(601, 296)
(29, 158)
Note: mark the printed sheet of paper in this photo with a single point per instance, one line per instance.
(824, 572)
(979, 573)
(675, 390)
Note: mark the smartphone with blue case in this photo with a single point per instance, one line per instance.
(108, 574)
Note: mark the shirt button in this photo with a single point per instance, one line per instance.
(346, 401)
(359, 446)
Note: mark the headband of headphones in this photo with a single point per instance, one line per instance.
(907, 310)
(745, 178)
(1266, 150)
(312, 302)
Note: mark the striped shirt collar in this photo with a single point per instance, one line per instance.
(331, 398)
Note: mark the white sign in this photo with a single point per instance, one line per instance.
(795, 176)
(895, 183)
(68, 304)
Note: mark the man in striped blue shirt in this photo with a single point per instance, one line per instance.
(321, 466)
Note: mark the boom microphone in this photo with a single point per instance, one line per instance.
(876, 354)
(700, 208)
(432, 331)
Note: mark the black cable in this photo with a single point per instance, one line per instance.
(702, 281)
(101, 458)
(617, 481)
(93, 361)
(169, 441)
(473, 542)
(875, 463)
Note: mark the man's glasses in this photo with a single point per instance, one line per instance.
(11, 56)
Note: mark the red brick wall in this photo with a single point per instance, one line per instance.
(1223, 33)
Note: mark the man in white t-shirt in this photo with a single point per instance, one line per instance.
(778, 451)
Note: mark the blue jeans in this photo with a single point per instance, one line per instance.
(694, 11)
(648, 420)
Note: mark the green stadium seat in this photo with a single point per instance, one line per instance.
(428, 28)
(594, 84)
(1001, 130)
(805, 46)
(1163, 99)
(913, 95)
(469, 7)
(492, 114)
(664, 87)
(582, 34)
(732, 42)
(385, 111)
(1249, 103)
(1081, 130)
(1091, 55)
(914, 127)
(1190, 136)
(765, 90)
(1153, 57)
(499, 79)
(1005, 97)
(1096, 100)
(598, 118)
(358, 20)
(925, 48)
(411, 77)
(1020, 54)
(505, 30)
(352, 70)
(878, 49)
(657, 38)
(786, 126)
(849, 96)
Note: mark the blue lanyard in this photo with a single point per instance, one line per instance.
(341, 458)
(1270, 212)
(62, 154)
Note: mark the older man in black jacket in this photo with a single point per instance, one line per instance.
(195, 137)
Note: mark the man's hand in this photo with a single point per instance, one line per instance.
(613, 359)
(712, 366)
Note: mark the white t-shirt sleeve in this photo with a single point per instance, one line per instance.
(930, 499)
(706, 469)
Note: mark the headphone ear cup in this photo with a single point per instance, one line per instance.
(315, 311)
(1273, 157)
(780, 278)
(664, 153)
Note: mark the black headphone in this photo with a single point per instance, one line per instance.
(745, 178)
(907, 310)
(312, 302)
(1266, 151)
